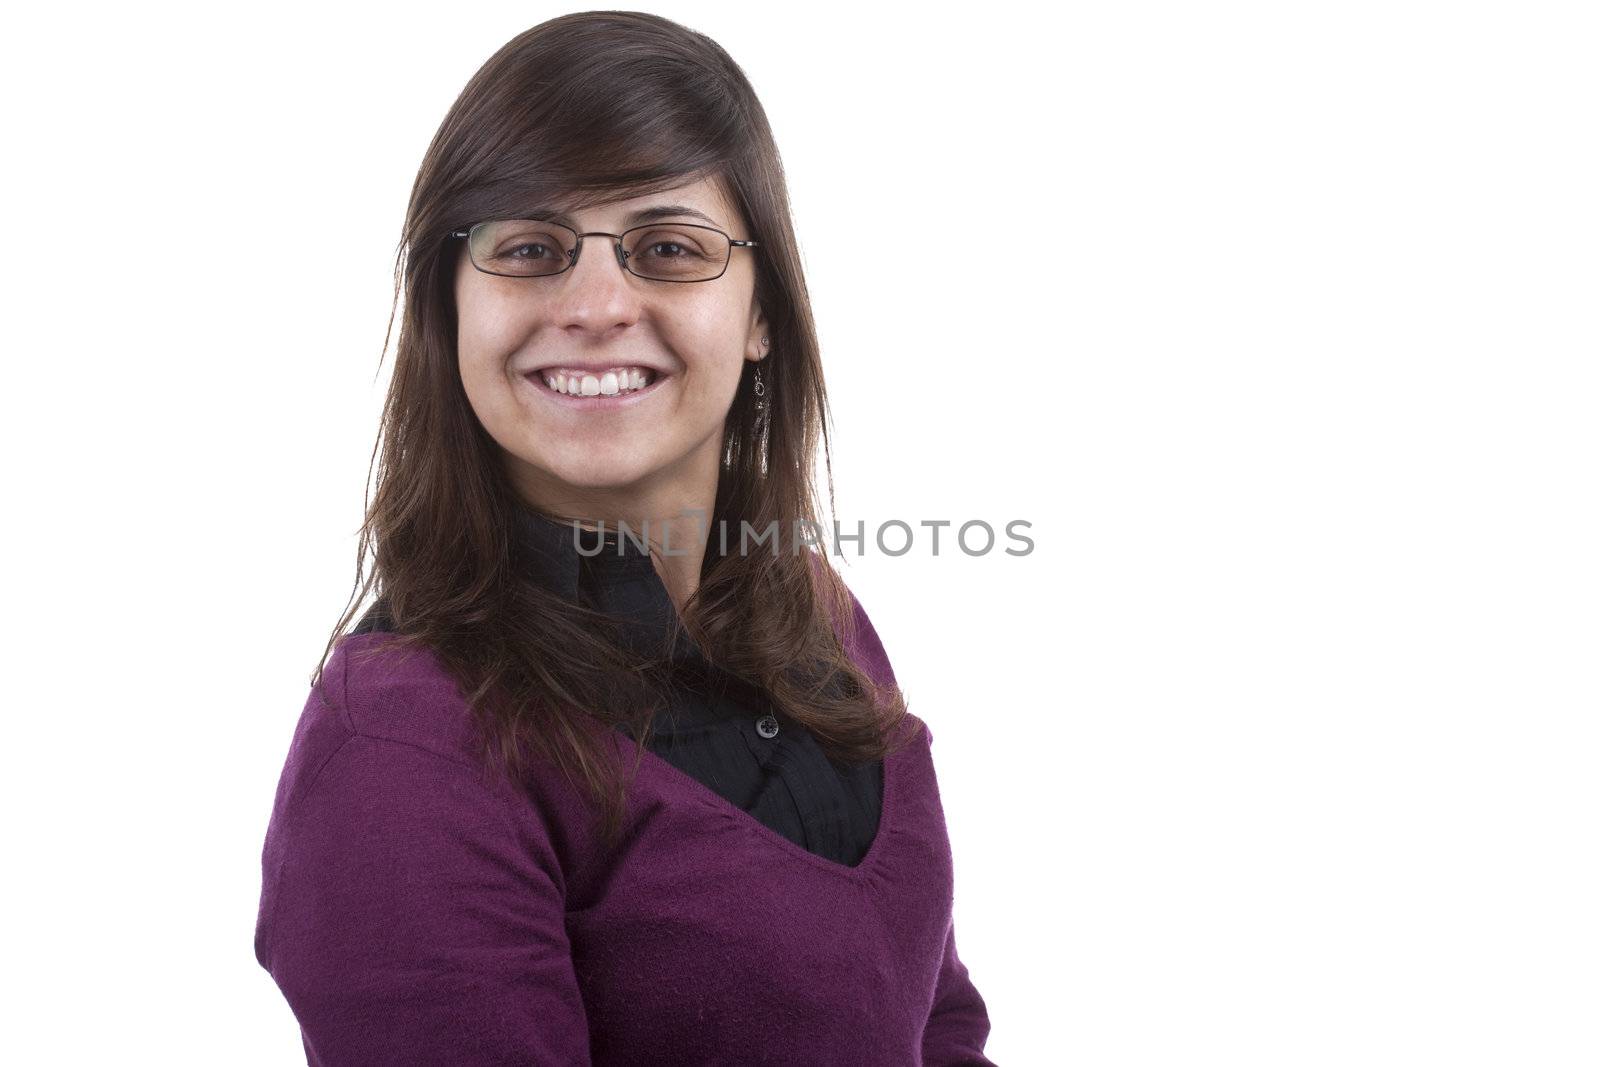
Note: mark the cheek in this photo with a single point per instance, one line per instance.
(483, 346)
(709, 382)
(711, 344)
(485, 336)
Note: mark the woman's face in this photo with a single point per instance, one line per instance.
(642, 449)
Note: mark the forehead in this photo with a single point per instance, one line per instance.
(703, 199)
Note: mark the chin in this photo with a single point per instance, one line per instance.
(597, 471)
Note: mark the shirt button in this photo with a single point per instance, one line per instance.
(767, 726)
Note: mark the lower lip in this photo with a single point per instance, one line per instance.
(598, 402)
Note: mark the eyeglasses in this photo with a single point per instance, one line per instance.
(660, 251)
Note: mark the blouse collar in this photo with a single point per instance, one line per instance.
(610, 572)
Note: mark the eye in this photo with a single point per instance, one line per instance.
(513, 253)
(668, 242)
(679, 249)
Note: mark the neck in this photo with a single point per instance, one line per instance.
(672, 509)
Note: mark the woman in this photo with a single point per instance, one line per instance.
(568, 793)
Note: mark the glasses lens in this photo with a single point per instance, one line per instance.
(676, 252)
(522, 247)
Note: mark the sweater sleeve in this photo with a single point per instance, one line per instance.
(958, 1022)
(958, 1025)
(415, 920)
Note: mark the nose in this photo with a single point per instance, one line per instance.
(596, 292)
(606, 245)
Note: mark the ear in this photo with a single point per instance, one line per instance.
(759, 341)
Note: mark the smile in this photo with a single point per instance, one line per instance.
(606, 388)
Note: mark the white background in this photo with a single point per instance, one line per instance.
(1277, 322)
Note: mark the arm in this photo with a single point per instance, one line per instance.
(958, 1025)
(958, 1022)
(413, 920)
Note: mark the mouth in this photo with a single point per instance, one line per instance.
(618, 386)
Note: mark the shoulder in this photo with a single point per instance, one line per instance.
(858, 634)
(861, 639)
(384, 814)
(397, 704)
(373, 698)
(387, 690)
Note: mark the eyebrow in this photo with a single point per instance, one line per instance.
(648, 214)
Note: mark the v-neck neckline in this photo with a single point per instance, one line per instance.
(888, 817)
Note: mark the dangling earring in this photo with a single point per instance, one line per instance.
(760, 390)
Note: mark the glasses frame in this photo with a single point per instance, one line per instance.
(616, 244)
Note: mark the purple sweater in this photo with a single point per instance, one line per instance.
(413, 913)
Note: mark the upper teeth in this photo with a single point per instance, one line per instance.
(617, 380)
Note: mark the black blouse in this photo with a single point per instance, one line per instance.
(717, 728)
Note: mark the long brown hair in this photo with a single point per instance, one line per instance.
(580, 110)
